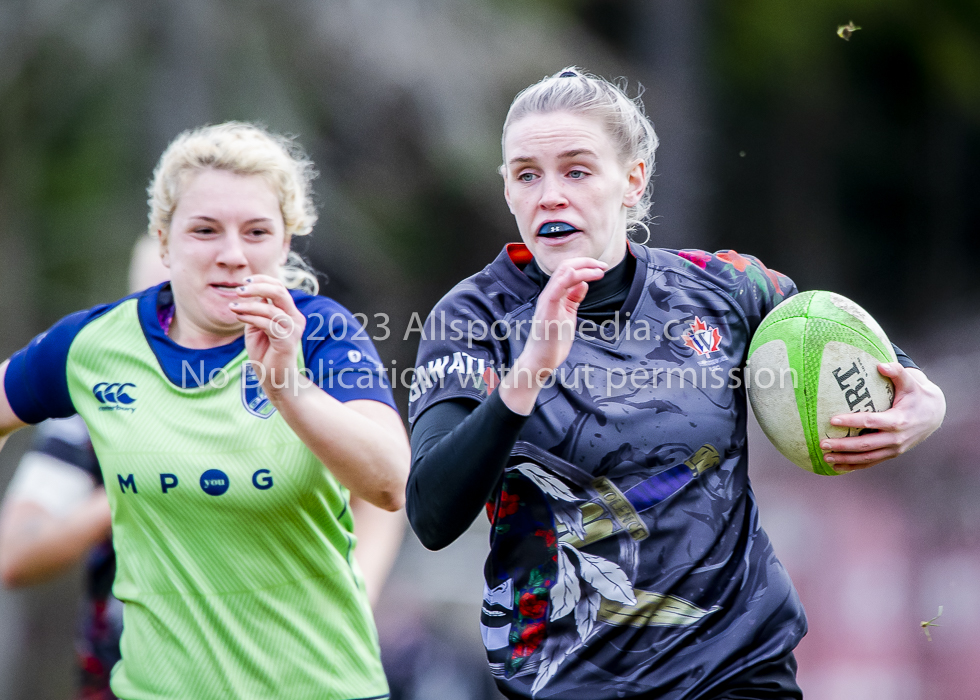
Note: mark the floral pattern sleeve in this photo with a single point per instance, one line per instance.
(756, 288)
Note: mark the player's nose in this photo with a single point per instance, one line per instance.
(232, 252)
(553, 194)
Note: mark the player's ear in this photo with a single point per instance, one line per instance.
(286, 240)
(506, 189)
(164, 248)
(636, 184)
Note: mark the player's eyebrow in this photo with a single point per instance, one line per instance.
(575, 152)
(564, 155)
(204, 217)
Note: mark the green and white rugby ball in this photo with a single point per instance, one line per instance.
(813, 357)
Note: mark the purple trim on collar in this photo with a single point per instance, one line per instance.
(165, 315)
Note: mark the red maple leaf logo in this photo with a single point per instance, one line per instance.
(702, 338)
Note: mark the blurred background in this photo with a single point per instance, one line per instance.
(847, 165)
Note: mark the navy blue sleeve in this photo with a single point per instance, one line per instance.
(36, 383)
(339, 353)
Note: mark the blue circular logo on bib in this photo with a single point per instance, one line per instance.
(214, 482)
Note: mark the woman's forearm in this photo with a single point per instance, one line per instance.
(363, 443)
(35, 546)
(379, 536)
(460, 450)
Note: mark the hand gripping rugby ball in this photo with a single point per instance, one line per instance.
(813, 357)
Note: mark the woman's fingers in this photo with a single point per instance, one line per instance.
(266, 304)
(260, 308)
(917, 411)
(274, 322)
(862, 443)
(886, 438)
(576, 270)
(577, 293)
(863, 451)
(583, 261)
(265, 287)
(553, 326)
(853, 461)
(890, 420)
(268, 325)
(571, 279)
(902, 379)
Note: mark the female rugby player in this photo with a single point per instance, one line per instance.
(627, 560)
(232, 418)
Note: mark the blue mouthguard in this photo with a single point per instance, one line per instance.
(555, 228)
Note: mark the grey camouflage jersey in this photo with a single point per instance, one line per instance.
(626, 552)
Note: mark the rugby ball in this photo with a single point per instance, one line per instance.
(813, 357)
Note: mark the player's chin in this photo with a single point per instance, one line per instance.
(224, 320)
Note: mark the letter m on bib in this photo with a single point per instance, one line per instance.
(129, 481)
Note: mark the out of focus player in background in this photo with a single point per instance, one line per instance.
(55, 513)
(234, 543)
